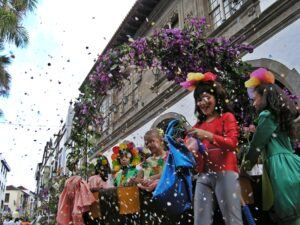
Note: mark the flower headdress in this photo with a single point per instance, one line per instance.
(194, 78)
(102, 161)
(258, 77)
(125, 148)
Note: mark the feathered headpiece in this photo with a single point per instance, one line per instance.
(258, 77)
(125, 148)
(193, 78)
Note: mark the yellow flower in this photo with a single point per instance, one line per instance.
(161, 132)
(123, 146)
(135, 162)
(117, 168)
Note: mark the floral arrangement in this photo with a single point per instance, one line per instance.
(125, 148)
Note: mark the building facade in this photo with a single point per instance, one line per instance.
(3, 179)
(42, 174)
(53, 165)
(18, 201)
(148, 99)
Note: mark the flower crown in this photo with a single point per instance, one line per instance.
(102, 160)
(258, 77)
(193, 79)
(121, 149)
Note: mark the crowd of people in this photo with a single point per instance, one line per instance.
(9, 220)
(217, 189)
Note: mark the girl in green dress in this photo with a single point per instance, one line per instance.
(271, 141)
(125, 157)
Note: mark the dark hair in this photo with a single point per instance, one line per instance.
(278, 103)
(214, 88)
(102, 169)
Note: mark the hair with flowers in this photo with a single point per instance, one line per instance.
(102, 167)
(193, 78)
(102, 161)
(125, 148)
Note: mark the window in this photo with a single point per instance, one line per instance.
(221, 10)
(7, 197)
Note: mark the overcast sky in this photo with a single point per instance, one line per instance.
(65, 38)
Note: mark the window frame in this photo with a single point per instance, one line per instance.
(226, 8)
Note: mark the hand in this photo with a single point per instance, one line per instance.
(146, 182)
(131, 182)
(252, 128)
(201, 134)
(137, 180)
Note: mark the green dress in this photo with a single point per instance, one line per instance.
(281, 177)
(123, 176)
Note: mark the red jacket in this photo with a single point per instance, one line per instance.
(222, 151)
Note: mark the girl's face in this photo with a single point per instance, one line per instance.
(154, 144)
(125, 159)
(206, 103)
(257, 100)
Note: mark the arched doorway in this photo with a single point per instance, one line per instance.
(163, 121)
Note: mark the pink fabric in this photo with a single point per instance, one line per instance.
(75, 199)
(95, 183)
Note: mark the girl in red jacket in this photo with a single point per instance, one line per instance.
(217, 168)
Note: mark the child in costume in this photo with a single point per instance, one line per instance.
(271, 140)
(153, 165)
(149, 176)
(217, 168)
(102, 178)
(125, 158)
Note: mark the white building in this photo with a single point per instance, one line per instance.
(63, 144)
(3, 178)
(18, 201)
